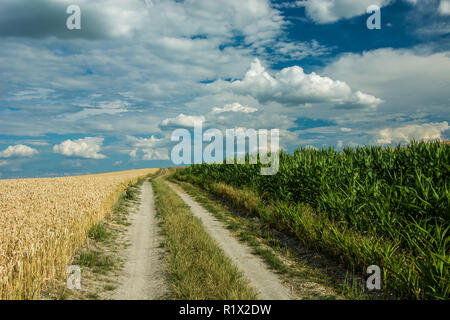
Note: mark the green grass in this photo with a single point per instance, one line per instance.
(132, 191)
(98, 232)
(368, 205)
(120, 210)
(198, 269)
(110, 287)
(96, 261)
(271, 259)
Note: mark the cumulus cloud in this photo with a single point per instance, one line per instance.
(182, 121)
(19, 150)
(88, 148)
(234, 107)
(427, 131)
(329, 11)
(291, 86)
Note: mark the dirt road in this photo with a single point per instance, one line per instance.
(266, 283)
(143, 276)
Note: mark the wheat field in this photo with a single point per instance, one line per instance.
(44, 221)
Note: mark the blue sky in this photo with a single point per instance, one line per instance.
(107, 97)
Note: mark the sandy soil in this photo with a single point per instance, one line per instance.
(143, 275)
(267, 284)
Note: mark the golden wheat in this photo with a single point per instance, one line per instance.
(44, 221)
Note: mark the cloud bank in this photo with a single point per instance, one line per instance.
(427, 131)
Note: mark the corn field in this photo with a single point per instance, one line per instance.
(44, 221)
(398, 199)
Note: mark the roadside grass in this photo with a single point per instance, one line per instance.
(127, 199)
(197, 268)
(95, 260)
(98, 232)
(110, 287)
(282, 253)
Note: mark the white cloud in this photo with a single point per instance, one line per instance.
(329, 11)
(346, 129)
(234, 107)
(19, 150)
(362, 99)
(88, 148)
(3, 163)
(150, 148)
(427, 131)
(143, 142)
(444, 7)
(291, 86)
(182, 121)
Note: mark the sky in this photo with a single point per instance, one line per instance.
(108, 96)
